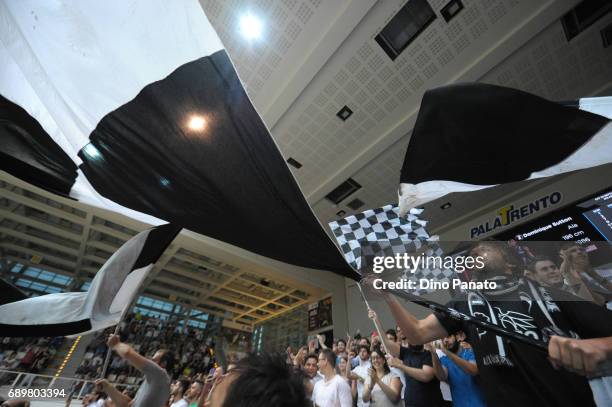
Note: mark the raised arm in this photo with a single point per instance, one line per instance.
(126, 352)
(424, 374)
(392, 347)
(467, 366)
(440, 371)
(120, 399)
(417, 331)
(321, 339)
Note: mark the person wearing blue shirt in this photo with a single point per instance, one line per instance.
(458, 368)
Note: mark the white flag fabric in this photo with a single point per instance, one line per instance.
(111, 292)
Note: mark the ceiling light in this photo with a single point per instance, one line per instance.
(197, 123)
(250, 27)
(91, 151)
(344, 113)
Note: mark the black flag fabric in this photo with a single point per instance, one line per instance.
(10, 292)
(473, 136)
(110, 293)
(149, 120)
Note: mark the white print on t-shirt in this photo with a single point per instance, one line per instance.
(518, 321)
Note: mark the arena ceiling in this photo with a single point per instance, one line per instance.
(314, 57)
(74, 240)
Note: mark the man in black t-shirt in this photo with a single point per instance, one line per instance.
(422, 387)
(511, 373)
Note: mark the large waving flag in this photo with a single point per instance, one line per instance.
(110, 293)
(136, 107)
(473, 136)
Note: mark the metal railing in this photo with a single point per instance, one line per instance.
(72, 386)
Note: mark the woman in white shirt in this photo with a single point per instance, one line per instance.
(382, 388)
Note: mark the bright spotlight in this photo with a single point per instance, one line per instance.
(250, 26)
(91, 151)
(197, 123)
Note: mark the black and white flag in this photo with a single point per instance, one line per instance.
(110, 293)
(136, 107)
(474, 136)
(382, 232)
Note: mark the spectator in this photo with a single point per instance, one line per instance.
(264, 381)
(359, 375)
(155, 390)
(512, 373)
(194, 393)
(580, 276)
(458, 368)
(343, 368)
(332, 391)
(355, 360)
(312, 375)
(544, 271)
(177, 392)
(422, 387)
(382, 388)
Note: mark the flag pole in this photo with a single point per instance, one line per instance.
(117, 327)
(376, 325)
(452, 313)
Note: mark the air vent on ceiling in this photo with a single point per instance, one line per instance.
(355, 204)
(583, 16)
(343, 190)
(294, 162)
(405, 27)
(606, 36)
(344, 113)
(451, 9)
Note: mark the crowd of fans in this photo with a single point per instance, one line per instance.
(440, 360)
(30, 355)
(193, 351)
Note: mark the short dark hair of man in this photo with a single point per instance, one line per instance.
(330, 356)
(341, 340)
(532, 264)
(266, 381)
(312, 356)
(367, 348)
(392, 333)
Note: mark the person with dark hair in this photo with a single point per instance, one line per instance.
(391, 335)
(545, 271)
(458, 368)
(382, 388)
(155, 389)
(578, 333)
(194, 393)
(311, 373)
(177, 391)
(395, 339)
(333, 390)
(260, 381)
(359, 375)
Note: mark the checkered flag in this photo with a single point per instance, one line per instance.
(382, 232)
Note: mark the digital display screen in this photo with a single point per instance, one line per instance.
(589, 220)
(588, 223)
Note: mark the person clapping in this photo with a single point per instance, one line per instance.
(381, 388)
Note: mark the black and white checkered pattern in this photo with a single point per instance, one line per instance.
(382, 232)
